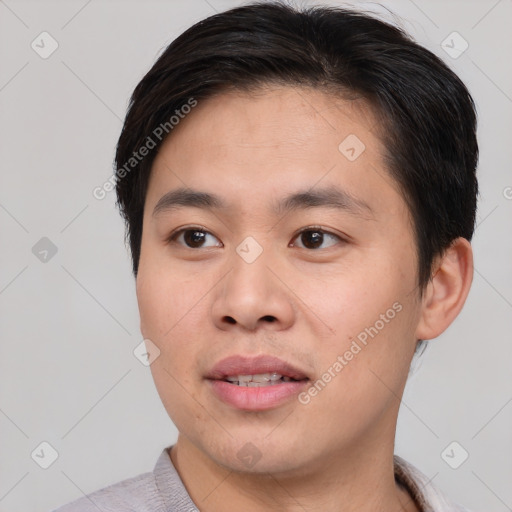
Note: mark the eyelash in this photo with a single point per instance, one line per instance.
(315, 229)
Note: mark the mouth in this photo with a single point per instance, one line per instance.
(259, 380)
(256, 383)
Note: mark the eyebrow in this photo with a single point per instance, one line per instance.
(331, 197)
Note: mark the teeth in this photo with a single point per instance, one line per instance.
(260, 379)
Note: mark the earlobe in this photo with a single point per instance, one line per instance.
(447, 290)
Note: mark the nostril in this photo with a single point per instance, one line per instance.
(230, 320)
(269, 318)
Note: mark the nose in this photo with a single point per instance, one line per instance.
(252, 295)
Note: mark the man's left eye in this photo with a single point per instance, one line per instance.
(317, 239)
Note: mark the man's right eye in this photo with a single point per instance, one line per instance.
(194, 238)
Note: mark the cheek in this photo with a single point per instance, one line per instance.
(173, 302)
(350, 298)
(155, 304)
(167, 299)
(363, 370)
(371, 315)
(169, 313)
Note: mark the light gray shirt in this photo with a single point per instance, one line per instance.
(163, 491)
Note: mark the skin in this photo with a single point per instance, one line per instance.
(304, 305)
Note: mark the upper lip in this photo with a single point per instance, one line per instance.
(247, 365)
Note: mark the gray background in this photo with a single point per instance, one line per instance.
(69, 325)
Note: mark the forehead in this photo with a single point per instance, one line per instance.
(277, 117)
(272, 140)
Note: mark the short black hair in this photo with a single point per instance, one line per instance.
(428, 116)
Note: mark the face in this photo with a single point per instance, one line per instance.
(278, 279)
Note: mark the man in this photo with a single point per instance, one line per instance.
(299, 191)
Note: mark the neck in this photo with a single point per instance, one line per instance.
(358, 481)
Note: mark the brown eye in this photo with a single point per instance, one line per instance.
(315, 238)
(195, 238)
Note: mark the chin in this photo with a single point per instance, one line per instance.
(256, 455)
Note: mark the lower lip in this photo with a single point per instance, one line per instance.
(256, 398)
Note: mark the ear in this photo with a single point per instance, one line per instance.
(447, 290)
